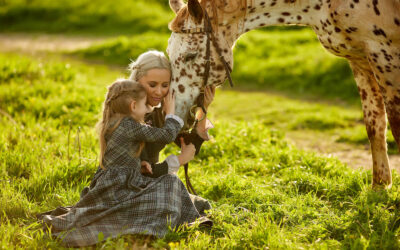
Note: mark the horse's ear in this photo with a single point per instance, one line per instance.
(195, 10)
(176, 5)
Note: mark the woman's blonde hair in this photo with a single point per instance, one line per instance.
(116, 106)
(152, 59)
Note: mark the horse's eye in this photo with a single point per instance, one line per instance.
(190, 56)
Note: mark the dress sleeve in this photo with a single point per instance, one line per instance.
(144, 156)
(159, 169)
(166, 134)
(169, 166)
(204, 133)
(193, 138)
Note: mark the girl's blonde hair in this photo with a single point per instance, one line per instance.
(152, 59)
(116, 106)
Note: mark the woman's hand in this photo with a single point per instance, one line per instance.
(145, 168)
(187, 152)
(169, 103)
(209, 93)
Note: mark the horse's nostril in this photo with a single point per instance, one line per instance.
(190, 56)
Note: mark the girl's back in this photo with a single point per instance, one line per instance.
(124, 143)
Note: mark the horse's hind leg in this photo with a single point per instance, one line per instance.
(375, 122)
(392, 103)
(388, 76)
(385, 62)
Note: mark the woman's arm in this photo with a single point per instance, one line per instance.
(158, 169)
(172, 162)
(204, 125)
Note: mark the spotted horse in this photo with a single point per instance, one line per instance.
(366, 32)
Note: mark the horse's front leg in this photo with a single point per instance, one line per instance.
(375, 122)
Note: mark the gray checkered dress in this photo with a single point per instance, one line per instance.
(120, 200)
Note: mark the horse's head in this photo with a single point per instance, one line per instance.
(187, 50)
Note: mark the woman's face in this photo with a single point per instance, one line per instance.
(156, 83)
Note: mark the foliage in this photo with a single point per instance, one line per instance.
(292, 62)
(265, 192)
(49, 91)
(84, 16)
(123, 49)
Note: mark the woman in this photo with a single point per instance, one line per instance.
(152, 69)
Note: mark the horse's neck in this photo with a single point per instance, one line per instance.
(260, 13)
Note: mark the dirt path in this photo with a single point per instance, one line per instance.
(37, 43)
(353, 155)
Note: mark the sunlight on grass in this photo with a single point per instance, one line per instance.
(264, 191)
(84, 16)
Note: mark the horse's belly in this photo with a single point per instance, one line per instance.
(342, 45)
(352, 27)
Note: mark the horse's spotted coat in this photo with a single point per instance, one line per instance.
(366, 32)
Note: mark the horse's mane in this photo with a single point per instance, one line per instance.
(217, 9)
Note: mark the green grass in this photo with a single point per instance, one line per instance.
(264, 191)
(275, 111)
(123, 49)
(88, 17)
(293, 62)
(84, 16)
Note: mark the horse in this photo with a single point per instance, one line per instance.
(365, 32)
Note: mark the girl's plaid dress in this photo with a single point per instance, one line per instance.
(120, 200)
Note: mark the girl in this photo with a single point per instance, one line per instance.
(120, 200)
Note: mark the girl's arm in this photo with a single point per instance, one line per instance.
(139, 132)
(166, 134)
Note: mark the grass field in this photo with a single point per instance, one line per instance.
(291, 198)
(84, 16)
(265, 192)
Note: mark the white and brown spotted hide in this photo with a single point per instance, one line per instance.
(366, 32)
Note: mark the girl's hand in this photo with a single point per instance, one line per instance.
(169, 103)
(187, 152)
(209, 93)
(145, 168)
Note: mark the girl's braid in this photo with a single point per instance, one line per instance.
(116, 91)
